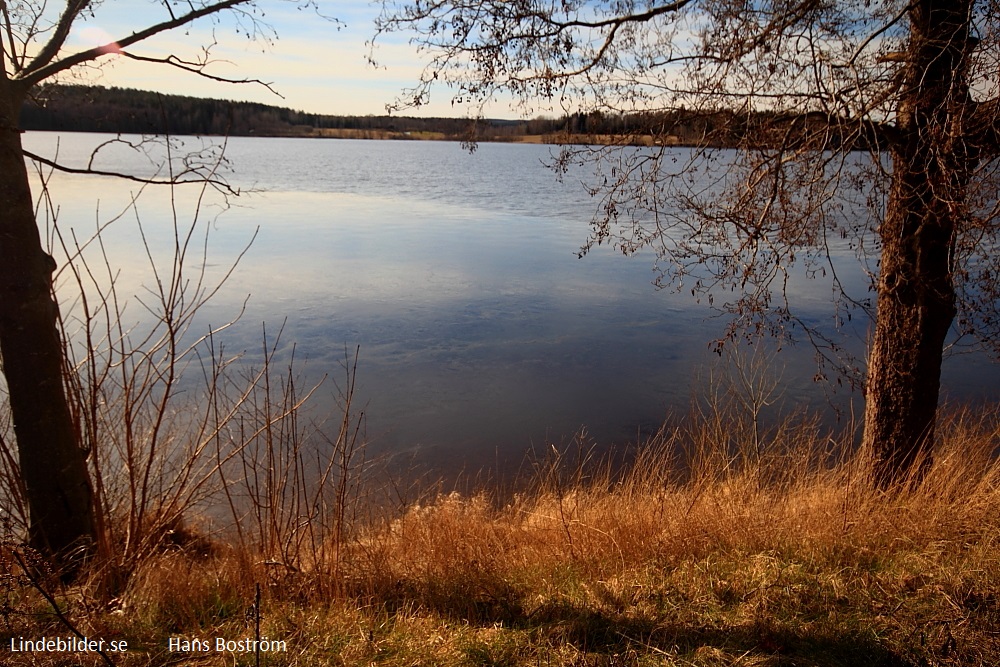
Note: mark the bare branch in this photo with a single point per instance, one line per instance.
(615, 22)
(12, 56)
(984, 128)
(882, 30)
(40, 69)
(197, 68)
(180, 178)
(59, 35)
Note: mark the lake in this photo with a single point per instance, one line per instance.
(481, 332)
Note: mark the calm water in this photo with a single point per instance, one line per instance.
(481, 332)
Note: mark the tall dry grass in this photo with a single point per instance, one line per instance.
(792, 554)
(659, 508)
(691, 555)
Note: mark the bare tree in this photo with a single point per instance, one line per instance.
(874, 122)
(53, 463)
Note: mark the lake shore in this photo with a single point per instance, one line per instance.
(552, 139)
(785, 557)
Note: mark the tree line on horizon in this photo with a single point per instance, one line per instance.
(79, 108)
(82, 108)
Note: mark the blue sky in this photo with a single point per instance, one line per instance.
(317, 65)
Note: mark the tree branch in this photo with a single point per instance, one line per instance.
(196, 68)
(885, 27)
(15, 65)
(61, 32)
(984, 129)
(616, 21)
(40, 69)
(176, 179)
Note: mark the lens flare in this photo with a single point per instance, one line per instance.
(95, 36)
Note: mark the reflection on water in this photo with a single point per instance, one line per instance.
(481, 332)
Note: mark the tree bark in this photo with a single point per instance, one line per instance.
(931, 165)
(53, 465)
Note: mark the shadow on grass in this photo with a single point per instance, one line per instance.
(595, 631)
(608, 638)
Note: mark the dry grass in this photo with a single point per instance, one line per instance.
(698, 558)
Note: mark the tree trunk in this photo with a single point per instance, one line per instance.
(916, 295)
(53, 465)
(916, 306)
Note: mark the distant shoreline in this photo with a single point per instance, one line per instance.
(78, 108)
(554, 139)
(74, 108)
(547, 139)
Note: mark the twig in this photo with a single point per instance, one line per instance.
(55, 605)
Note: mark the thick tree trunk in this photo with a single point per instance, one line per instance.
(53, 466)
(916, 306)
(916, 295)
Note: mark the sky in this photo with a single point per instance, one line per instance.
(316, 65)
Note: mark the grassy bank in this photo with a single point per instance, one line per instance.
(696, 555)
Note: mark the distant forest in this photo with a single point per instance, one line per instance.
(97, 109)
(123, 110)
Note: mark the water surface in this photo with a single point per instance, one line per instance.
(481, 332)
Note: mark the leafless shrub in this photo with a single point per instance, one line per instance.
(185, 439)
